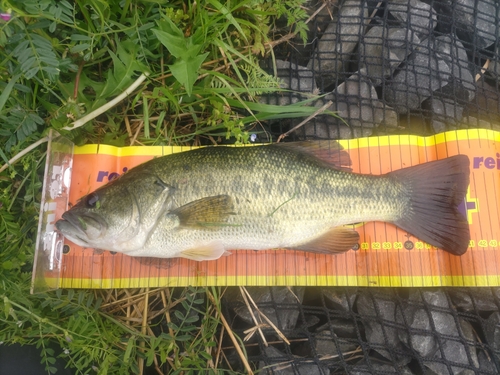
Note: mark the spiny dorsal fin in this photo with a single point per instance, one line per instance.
(336, 240)
(205, 212)
(329, 152)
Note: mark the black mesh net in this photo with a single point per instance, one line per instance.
(367, 330)
(387, 67)
(392, 67)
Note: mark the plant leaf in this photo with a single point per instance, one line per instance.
(124, 66)
(186, 72)
(6, 91)
(226, 13)
(176, 45)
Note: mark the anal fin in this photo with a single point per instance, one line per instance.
(211, 251)
(336, 240)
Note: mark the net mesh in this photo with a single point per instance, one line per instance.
(386, 67)
(393, 67)
(367, 330)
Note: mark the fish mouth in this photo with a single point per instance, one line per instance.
(80, 228)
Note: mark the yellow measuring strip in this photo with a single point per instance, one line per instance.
(333, 280)
(390, 140)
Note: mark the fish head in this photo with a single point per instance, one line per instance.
(118, 216)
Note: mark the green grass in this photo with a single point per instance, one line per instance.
(61, 60)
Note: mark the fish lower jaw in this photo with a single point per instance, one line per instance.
(77, 241)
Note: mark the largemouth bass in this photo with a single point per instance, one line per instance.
(200, 204)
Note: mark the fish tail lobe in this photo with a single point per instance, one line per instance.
(436, 190)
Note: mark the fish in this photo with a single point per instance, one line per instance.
(204, 203)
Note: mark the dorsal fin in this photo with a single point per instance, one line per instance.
(330, 153)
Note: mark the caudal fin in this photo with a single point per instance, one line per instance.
(437, 188)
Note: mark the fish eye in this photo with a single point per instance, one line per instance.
(92, 200)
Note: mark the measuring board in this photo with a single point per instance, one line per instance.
(385, 256)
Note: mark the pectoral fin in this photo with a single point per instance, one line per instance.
(211, 251)
(336, 240)
(205, 213)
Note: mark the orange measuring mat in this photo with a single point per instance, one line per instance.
(385, 256)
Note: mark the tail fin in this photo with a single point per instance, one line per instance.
(437, 188)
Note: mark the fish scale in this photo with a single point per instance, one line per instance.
(284, 198)
(201, 203)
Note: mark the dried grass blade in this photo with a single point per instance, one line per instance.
(244, 294)
(280, 334)
(231, 334)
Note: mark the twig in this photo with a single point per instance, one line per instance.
(251, 331)
(226, 64)
(77, 80)
(483, 70)
(292, 35)
(227, 362)
(145, 312)
(319, 111)
(293, 294)
(219, 347)
(139, 295)
(132, 141)
(284, 38)
(167, 312)
(374, 12)
(250, 310)
(105, 107)
(250, 345)
(280, 334)
(24, 152)
(136, 305)
(144, 331)
(129, 309)
(231, 335)
(316, 13)
(284, 365)
(127, 125)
